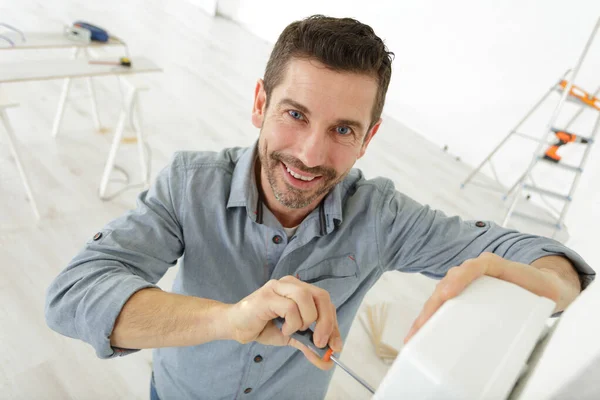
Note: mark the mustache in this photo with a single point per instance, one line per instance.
(297, 164)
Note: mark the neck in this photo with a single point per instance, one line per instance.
(287, 218)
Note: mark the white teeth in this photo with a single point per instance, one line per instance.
(298, 176)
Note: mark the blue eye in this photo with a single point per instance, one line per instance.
(295, 114)
(343, 130)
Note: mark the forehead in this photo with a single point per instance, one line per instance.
(335, 94)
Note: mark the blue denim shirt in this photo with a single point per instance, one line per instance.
(205, 209)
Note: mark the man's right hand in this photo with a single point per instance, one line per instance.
(300, 304)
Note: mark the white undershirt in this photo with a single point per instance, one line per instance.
(290, 231)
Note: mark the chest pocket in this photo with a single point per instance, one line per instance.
(338, 275)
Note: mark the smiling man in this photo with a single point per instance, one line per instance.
(286, 228)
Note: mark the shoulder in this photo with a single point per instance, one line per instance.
(356, 183)
(381, 191)
(191, 160)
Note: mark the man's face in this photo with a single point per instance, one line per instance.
(313, 131)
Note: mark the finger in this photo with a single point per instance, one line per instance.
(326, 319)
(301, 293)
(286, 308)
(456, 280)
(335, 340)
(430, 306)
(310, 356)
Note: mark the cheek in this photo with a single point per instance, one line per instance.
(282, 133)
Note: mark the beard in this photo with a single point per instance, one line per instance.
(288, 195)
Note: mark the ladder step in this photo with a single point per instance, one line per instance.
(542, 221)
(545, 192)
(563, 166)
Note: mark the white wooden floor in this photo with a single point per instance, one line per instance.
(201, 102)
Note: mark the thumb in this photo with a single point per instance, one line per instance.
(273, 336)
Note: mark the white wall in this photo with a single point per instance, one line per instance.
(466, 71)
(208, 6)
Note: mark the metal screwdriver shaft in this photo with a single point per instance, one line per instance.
(306, 338)
(352, 374)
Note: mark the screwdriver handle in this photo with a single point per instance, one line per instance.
(306, 338)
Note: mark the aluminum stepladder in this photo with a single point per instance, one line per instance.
(526, 183)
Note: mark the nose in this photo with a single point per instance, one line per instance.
(314, 148)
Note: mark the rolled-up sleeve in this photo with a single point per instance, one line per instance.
(129, 254)
(415, 238)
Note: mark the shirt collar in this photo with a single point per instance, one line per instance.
(244, 193)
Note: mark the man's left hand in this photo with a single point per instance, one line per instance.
(550, 277)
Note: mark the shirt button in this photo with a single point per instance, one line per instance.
(97, 236)
(480, 224)
(277, 239)
(258, 359)
(248, 390)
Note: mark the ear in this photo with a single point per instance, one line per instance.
(260, 102)
(370, 135)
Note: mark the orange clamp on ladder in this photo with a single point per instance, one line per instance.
(581, 95)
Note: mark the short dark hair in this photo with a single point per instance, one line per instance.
(342, 44)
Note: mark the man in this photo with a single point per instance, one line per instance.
(287, 229)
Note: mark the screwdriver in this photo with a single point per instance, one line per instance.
(326, 353)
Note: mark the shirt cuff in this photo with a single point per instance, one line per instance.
(103, 304)
(585, 272)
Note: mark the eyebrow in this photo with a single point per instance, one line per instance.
(303, 109)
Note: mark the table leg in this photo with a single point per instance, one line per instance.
(110, 162)
(61, 107)
(12, 144)
(92, 89)
(137, 117)
(63, 99)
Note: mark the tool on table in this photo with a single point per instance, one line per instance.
(326, 353)
(85, 32)
(78, 34)
(564, 137)
(97, 34)
(123, 61)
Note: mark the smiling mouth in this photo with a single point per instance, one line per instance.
(299, 176)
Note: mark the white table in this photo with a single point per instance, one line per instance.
(81, 68)
(58, 40)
